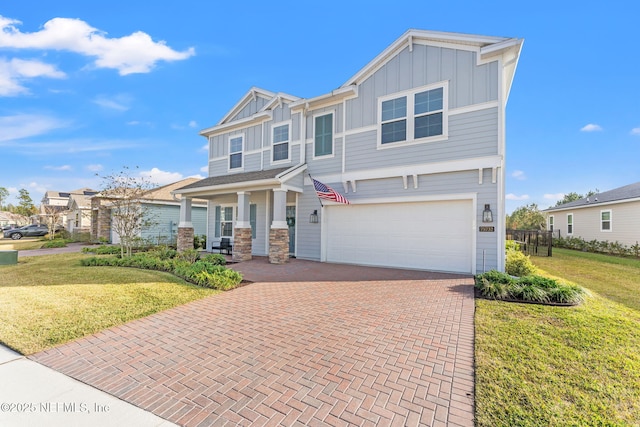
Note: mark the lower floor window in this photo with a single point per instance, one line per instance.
(226, 222)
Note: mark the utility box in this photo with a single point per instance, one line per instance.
(8, 257)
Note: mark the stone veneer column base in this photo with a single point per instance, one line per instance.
(185, 238)
(241, 244)
(278, 245)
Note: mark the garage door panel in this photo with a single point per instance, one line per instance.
(426, 235)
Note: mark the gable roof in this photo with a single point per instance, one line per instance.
(627, 193)
(164, 193)
(487, 47)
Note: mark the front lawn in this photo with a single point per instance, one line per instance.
(563, 366)
(49, 300)
(24, 244)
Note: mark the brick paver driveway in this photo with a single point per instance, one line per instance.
(369, 352)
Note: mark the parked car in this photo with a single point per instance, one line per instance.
(32, 230)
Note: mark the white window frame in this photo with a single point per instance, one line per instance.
(287, 123)
(410, 117)
(234, 212)
(610, 220)
(333, 134)
(550, 223)
(572, 224)
(241, 168)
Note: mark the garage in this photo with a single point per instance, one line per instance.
(433, 235)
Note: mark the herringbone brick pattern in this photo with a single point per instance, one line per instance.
(364, 353)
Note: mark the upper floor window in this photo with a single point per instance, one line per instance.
(551, 223)
(570, 223)
(235, 152)
(605, 220)
(280, 142)
(413, 115)
(323, 135)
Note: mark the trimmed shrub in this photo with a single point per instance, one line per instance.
(190, 255)
(163, 252)
(102, 250)
(215, 259)
(519, 264)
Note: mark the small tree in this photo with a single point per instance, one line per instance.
(128, 216)
(53, 215)
(573, 196)
(4, 193)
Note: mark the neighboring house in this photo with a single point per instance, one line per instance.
(58, 203)
(415, 141)
(9, 218)
(79, 213)
(613, 215)
(162, 210)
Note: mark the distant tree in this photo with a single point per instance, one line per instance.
(25, 204)
(4, 193)
(527, 217)
(123, 192)
(573, 196)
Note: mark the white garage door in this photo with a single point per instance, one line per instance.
(422, 235)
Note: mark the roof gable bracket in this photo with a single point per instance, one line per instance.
(404, 181)
(494, 173)
(415, 181)
(480, 176)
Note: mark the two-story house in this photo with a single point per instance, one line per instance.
(415, 141)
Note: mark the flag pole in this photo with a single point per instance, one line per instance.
(314, 190)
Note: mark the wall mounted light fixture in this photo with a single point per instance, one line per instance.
(487, 215)
(313, 218)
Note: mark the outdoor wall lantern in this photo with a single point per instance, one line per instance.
(487, 215)
(313, 218)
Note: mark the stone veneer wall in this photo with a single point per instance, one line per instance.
(278, 245)
(185, 238)
(242, 244)
(101, 222)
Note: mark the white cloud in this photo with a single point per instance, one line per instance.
(159, 177)
(135, 53)
(519, 175)
(512, 196)
(204, 169)
(13, 72)
(591, 127)
(556, 196)
(119, 102)
(27, 125)
(59, 168)
(94, 168)
(205, 147)
(46, 148)
(193, 124)
(635, 131)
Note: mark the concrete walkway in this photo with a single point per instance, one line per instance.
(34, 395)
(344, 351)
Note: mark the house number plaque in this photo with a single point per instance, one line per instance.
(486, 229)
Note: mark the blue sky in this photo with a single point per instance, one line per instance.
(88, 88)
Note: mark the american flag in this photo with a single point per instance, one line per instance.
(325, 192)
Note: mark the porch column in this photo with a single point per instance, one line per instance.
(185, 227)
(242, 230)
(279, 232)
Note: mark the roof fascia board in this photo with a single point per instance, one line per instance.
(592, 205)
(227, 127)
(212, 190)
(334, 97)
(250, 95)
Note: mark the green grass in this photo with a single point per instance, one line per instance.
(49, 300)
(560, 366)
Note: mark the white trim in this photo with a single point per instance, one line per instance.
(242, 153)
(474, 107)
(250, 95)
(289, 124)
(411, 116)
(333, 134)
(573, 222)
(254, 120)
(610, 220)
(421, 169)
(596, 204)
(356, 131)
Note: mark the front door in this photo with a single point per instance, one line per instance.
(291, 221)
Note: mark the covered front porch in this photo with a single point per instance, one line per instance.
(256, 211)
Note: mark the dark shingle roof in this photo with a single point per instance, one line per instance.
(236, 177)
(631, 191)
